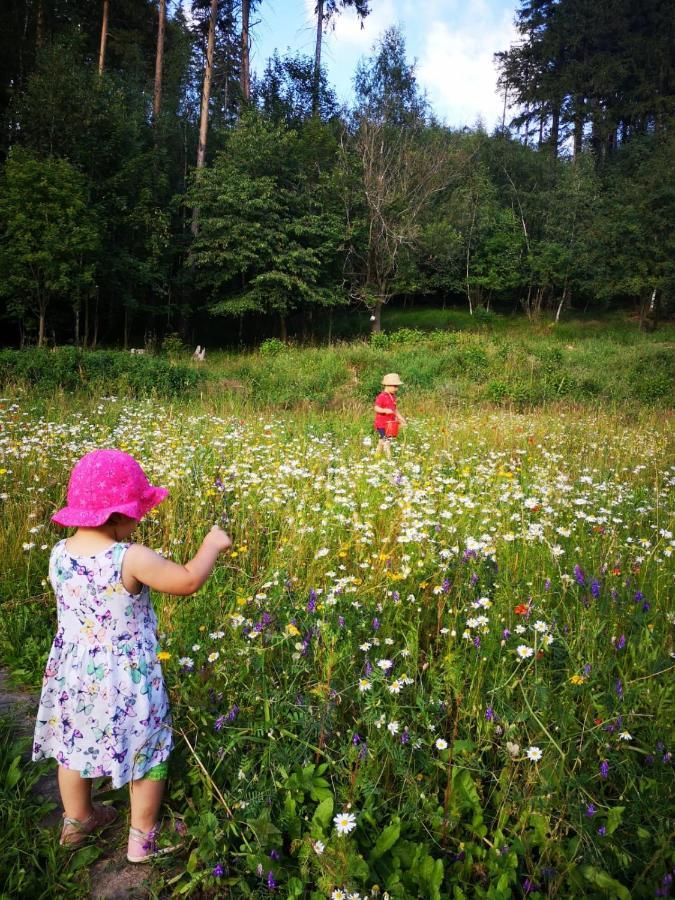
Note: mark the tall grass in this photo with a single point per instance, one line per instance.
(554, 521)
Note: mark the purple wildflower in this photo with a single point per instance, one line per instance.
(233, 713)
(638, 597)
(476, 642)
(595, 588)
(275, 855)
(341, 621)
(618, 687)
(614, 594)
(368, 668)
(621, 642)
(363, 752)
(506, 634)
(220, 721)
(395, 596)
(590, 810)
(547, 584)
(356, 739)
(602, 831)
(604, 769)
(529, 886)
(646, 607)
(649, 759)
(218, 870)
(446, 585)
(489, 714)
(376, 624)
(271, 882)
(473, 581)
(579, 576)
(405, 737)
(587, 669)
(180, 827)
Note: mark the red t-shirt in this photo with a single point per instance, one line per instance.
(386, 401)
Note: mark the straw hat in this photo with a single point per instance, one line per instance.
(392, 380)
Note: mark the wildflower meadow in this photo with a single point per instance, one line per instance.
(447, 674)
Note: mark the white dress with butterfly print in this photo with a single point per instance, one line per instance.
(104, 709)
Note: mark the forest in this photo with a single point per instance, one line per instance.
(152, 184)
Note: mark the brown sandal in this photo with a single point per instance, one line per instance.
(75, 832)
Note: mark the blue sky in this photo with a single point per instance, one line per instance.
(452, 41)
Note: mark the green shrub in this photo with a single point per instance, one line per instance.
(406, 336)
(173, 345)
(272, 347)
(109, 371)
(380, 340)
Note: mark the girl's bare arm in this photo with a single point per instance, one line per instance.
(143, 566)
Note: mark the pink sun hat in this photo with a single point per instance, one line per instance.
(105, 482)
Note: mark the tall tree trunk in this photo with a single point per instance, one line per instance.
(283, 328)
(376, 318)
(94, 339)
(76, 323)
(316, 87)
(578, 128)
(159, 61)
(245, 59)
(126, 327)
(555, 130)
(206, 95)
(104, 38)
(41, 329)
(85, 336)
(40, 26)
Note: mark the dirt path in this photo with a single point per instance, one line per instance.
(112, 877)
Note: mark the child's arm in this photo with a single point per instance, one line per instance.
(384, 410)
(144, 566)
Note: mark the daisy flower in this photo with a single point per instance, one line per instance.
(523, 651)
(534, 753)
(364, 685)
(441, 744)
(344, 822)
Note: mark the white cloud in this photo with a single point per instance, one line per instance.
(345, 27)
(456, 65)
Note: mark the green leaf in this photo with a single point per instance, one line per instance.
(85, 856)
(13, 773)
(386, 840)
(323, 813)
(614, 818)
(601, 879)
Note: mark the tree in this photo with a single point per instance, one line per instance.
(48, 237)
(395, 169)
(268, 239)
(159, 61)
(325, 10)
(287, 91)
(104, 36)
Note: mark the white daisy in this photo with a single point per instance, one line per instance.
(534, 753)
(344, 822)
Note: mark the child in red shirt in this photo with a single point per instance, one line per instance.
(387, 419)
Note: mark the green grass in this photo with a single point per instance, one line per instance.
(478, 502)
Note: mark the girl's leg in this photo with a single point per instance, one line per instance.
(146, 799)
(75, 794)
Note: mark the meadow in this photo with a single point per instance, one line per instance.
(448, 674)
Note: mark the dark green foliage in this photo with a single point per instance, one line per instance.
(305, 206)
(108, 371)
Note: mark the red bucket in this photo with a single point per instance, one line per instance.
(391, 428)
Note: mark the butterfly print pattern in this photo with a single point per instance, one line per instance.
(104, 709)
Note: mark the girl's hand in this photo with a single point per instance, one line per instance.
(218, 539)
